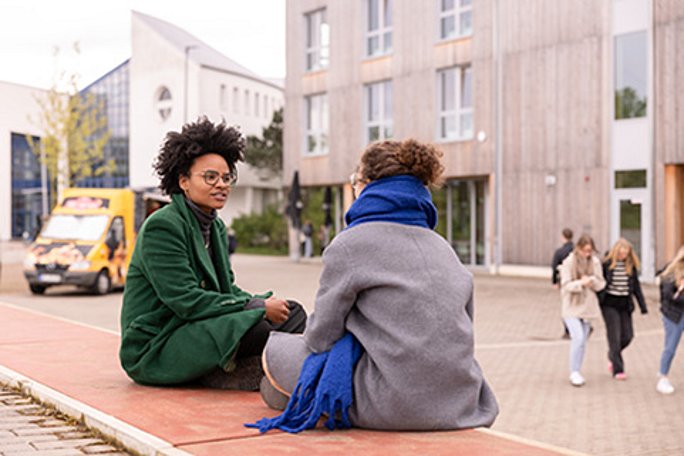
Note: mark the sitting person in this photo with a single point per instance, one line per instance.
(183, 317)
(400, 290)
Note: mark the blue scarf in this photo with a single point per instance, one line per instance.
(398, 199)
(324, 387)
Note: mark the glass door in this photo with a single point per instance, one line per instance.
(631, 215)
(466, 203)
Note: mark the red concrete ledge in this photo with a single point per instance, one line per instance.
(65, 362)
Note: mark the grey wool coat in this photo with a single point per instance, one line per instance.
(402, 291)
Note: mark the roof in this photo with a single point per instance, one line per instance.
(201, 52)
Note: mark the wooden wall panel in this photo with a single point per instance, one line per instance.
(668, 125)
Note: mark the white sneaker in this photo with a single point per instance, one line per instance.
(576, 379)
(664, 386)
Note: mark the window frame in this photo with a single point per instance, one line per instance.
(456, 12)
(459, 112)
(384, 119)
(314, 47)
(324, 121)
(382, 30)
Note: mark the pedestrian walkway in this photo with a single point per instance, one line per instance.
(76, 368)
(27, 429)
(519, 346)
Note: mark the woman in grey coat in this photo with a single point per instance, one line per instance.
(400, 289)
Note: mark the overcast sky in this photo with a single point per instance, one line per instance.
(251, 32)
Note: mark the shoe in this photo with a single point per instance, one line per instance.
(664, 386)
(620, 376)
(271, 396)
(245, 376)
(576, 379)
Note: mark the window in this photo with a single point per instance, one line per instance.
(265, 105)
(317, 40)
(223, 97)
(256, 104)
(378, 27)
(631, 66)
(630, 179)
(236, 100)
(455, 18)
(316, 124)
(246, 102)
(455, 93)
(378, 115)
(164, 102)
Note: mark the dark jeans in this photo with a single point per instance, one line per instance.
(254, 340)
(618, 318)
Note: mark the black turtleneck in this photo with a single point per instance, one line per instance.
(205, 220)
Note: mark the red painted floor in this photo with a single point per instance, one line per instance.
(82, 363)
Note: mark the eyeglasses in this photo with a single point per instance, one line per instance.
(212, 177)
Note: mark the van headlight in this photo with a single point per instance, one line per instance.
(79, 266)
(29, 264)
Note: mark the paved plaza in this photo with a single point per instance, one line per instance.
(518, 344)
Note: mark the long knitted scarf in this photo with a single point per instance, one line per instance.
(324, 388)
(398, 199)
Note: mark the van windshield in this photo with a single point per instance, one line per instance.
(75, 227)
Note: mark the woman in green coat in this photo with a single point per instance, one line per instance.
(183, 317)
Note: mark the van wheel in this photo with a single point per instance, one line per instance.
(37, 289)
(102, 283)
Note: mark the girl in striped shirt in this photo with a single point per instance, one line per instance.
(621, 271)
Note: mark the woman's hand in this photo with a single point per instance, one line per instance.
(277, 309)
(587, 281)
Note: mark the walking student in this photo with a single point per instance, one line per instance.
(621, 271)
(672, 308)
(581, 278)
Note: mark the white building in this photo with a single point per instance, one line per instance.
(19, 203)
(172, 77)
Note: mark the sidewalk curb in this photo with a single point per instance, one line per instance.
(128, 436)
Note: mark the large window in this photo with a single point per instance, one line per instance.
(378, 115)
(317, 40)
(316, 124)
(455, 18)
(378, 27)
(111, 93)
(631, 69)
(28, 176)
(455, 93)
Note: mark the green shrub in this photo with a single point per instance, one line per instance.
(262, 233)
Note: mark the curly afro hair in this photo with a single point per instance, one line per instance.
(180, 150)
(393, 158)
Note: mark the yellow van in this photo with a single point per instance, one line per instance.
(87, 241)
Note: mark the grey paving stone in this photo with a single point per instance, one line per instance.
(99, 449)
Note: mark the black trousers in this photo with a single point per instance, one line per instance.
(254, 340)
(617, 315)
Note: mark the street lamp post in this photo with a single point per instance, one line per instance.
(187, 50)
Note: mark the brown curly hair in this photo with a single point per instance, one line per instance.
(394, 158)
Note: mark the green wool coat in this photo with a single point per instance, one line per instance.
(182, 316)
